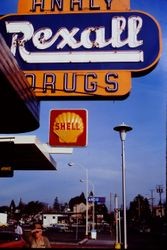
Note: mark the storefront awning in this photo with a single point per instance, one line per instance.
(19, 109)
(25, 153)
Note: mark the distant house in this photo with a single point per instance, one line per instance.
(53, 219)
(79, 208)
(3, 219)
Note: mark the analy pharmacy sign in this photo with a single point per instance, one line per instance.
(84, 53)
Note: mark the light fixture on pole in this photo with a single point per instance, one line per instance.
(93, 190)
(123, 129)
(86, 180)
(93, 201)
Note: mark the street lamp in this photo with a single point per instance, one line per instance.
(73, 164)
(123, 129)
(93, 214)
(93, 189)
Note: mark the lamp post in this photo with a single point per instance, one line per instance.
(93, 214)
(86, 170)
(93, 231)
(159, 189)
(93, 189)
(116, 218)
(123, 129)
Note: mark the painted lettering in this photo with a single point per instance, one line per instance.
(49, 82)
(71, 82)
(43, 39)
(67, 88)
(58, 5)
(36, 3)
(89, 85)
(67, 126)
(74, 3)
(112, 85)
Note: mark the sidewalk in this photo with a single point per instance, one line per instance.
(87, 243)
(136, 241)
(99, 243)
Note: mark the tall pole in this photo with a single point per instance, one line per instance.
(93, 214)
(152, 200)
(119, 220)
(159, 189)
(87, 208)
(166, 157)
(110, 203)
(122, 129)
(117, 224)
(116, 218)
(87, 181)
(124, 194)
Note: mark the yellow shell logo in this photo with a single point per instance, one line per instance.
(68, 126)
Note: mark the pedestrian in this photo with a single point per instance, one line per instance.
(37, 239)
(18, 229)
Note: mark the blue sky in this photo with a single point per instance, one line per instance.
(144, 110)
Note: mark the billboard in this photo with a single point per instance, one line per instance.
(98, 41)
(91, 52)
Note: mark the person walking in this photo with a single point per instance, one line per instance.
(37, 239)
(18, 229)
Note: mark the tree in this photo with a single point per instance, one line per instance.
(101, 209)
(4, 209)
(21, 206)
(34, 207)
(56, 205)
(12, 208)
(139, 210)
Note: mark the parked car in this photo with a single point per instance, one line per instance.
(57, 228)
(9, 239)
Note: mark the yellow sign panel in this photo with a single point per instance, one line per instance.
(59, 6)
(85, 83)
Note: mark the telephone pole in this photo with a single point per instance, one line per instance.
(166, 160)
(152, 200)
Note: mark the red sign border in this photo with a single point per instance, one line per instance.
(83, 138)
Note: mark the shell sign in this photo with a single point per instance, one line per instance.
(68, 127)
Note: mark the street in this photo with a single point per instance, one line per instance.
(150, 241)
(136, 240)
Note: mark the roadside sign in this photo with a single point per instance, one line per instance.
(68, 127)
(99, 41)
(99, 200)
(83, 48)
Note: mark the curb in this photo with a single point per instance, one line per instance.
(83, 241)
